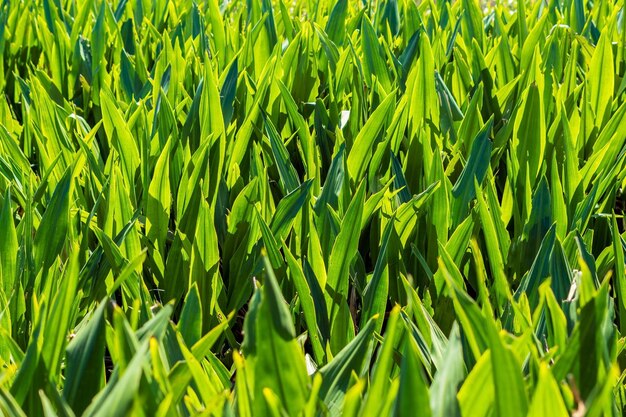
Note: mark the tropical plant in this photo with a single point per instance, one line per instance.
(312, 208)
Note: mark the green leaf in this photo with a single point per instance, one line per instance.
(379, 385)
(477, 394)
(476, 166)
(84, 375)
(53, 229)
(190, 323)
(443, 399)
(287, 210)
(413, 397)
(337, 373)
(361, 152)
(335, 27)
(377, 289)
(531, 134)
(288, 176)
(421, 83)
(601, 78)
(308, 304)
(344, 250)
(547, 400)
(8, 247)
(119, 135)
(278, 363)
(159, 202)
(374, 64)
(9, 406)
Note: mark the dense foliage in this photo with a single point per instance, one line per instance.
(312, 208)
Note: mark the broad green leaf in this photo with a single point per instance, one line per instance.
(288, 175)
(278, 361)
(84, 375)
(443, 399)
(159, 202)
(476, 166)
(190, 324)
(336, 375)
(379, 385)
(53, 229)
(8, 247)
(361, 152)
(344, 250)
(413, 393)
(374, 64)
(421, 84)
(547, 400)
(309, 307)
(601, 78)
